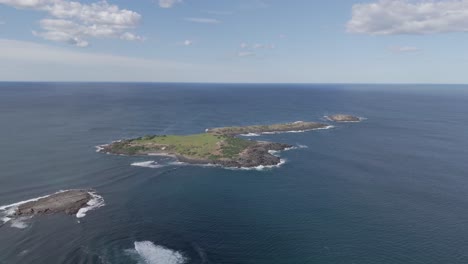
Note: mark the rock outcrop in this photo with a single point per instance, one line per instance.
(343, 118)
(69, 202)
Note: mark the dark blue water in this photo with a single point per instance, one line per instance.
(392, 189)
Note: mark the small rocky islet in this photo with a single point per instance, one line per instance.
(71, 202)
(68, 202)
(217, 146)
(344, 118)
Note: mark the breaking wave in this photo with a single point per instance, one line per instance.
(95, 202)
(259, 168)
(250, 135)
(298, 131)
(146, 252)
(148, 164)
(20, 223)
(297, 147)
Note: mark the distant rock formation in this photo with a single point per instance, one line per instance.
(343, 118)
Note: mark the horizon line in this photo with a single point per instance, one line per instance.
(249, 83)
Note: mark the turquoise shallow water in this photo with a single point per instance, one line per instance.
(392, 189)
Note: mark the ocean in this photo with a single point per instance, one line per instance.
(391, 189)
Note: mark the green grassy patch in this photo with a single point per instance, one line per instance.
(201, 146)
(234, 146)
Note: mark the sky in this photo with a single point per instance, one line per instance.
(235, 41)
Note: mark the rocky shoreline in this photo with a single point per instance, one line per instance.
(254, 156)
(68, 202)
(257, 154)
(260, 129)
(71, 202)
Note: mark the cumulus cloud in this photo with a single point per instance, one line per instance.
(403, 49)
(73, 22)
(202, 20)
(391, 17)
(168, 3)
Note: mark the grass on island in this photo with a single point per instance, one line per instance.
(199, 146)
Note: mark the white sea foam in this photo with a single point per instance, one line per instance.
(100, 148)
(250, 135)
(149, 253)
(298, 131)
(296, 147)
(20, 222)
(260, 167)
(148, 164)
(274, 152)
(95, 202)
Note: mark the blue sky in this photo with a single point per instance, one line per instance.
(297, 41)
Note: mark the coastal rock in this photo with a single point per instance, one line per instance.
(69, 202)
(343, 118)
(253, 156)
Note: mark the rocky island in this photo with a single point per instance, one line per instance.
(276, 128)
(343, 118)
(69, 202)
(207, 148)
(218, 146)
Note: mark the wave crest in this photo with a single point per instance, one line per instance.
(149, 253)
(95, 202)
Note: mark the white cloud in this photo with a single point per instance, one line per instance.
(404, 49)
(390, 17)
(131, 37)
(168, 3)
(245, 54)
(256, 46)
(203, 20)
(73, 22)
